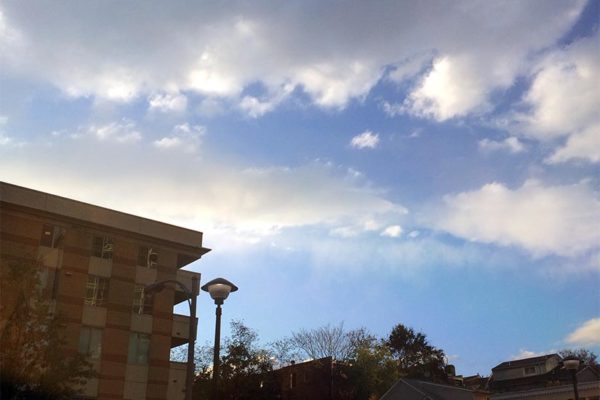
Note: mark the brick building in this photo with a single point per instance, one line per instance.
(94, 263)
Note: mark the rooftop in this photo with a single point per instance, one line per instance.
(525, 362)
(69, 208)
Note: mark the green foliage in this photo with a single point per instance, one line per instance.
(372, 372)
(33, 361)
(244, 371)
(415, 357)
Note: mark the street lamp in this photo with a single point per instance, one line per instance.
(572, 364)
(191, 299)
(219, 290)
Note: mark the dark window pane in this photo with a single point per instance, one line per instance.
(97, 246)
(102, 247)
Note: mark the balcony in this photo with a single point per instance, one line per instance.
(175, 390)
(181, 329)
(184, 277)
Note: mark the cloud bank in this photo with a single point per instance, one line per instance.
(544, 220)
(588, 334)
(219, 50)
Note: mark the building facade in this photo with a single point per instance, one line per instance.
(94, 264)
(542, 378)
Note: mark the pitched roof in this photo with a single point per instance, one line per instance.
(524, 362)
(410, 389)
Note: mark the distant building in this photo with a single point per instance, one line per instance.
(306, 380)
(412, 389)
(321, 379)
(94, 263)
(542, 378)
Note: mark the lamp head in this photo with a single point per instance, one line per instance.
(571, 363)
(219, 289)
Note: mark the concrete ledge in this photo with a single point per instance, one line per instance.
(99, 215)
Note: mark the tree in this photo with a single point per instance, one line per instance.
(586, 357)
(415, 357)
(244, 371)
(328, 341)
(371, 372)
(33, 360)
(284, 352)
(364, 368)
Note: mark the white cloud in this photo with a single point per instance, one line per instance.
(121, 132)
(366, 140)
(208, 193)
(256, 107)
(5, 140)
(510, 144)
(167, 102)
(409, 68)
(392, 231)
(588, 334)
(334, 84)
(344, 232)
(219, 51)
(564, 95)
(392, 109)
(584, 145)
(183, 137)
(211, 107)
(524, 353)
(451, 89)
(544, 220)
(562, 103)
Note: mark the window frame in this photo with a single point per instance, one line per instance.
(142, 305)
(103, 247)
(90, 342)
(144, 257)
(136, 354)
(99, 286)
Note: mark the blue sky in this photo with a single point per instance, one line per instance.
(423, 163)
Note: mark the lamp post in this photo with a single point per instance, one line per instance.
(572, 364)
(219, 290)
(191, 299)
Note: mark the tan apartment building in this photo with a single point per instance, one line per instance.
(94, 265)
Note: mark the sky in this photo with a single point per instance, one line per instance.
(429, 163)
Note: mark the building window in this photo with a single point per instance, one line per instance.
(52, 236)
(102, 247)
(96, 291)
(139, 348)
(141, 303)
(90, 342)
(147, 257)
(293, 380)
